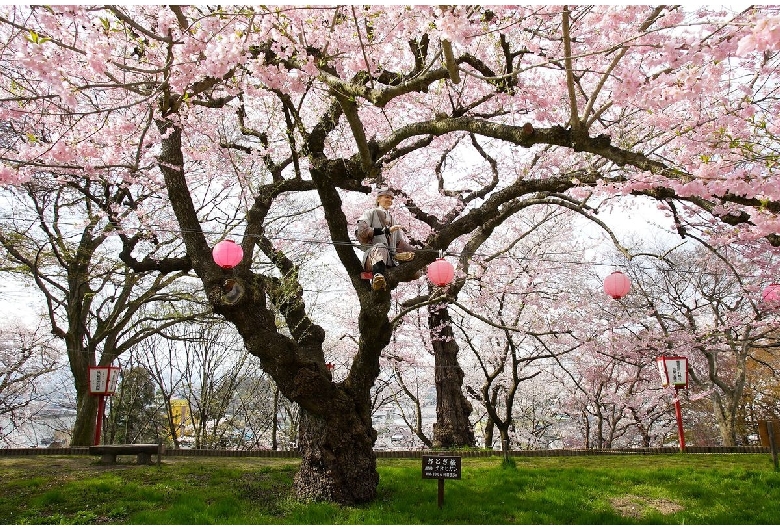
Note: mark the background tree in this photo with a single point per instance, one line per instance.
(505, 317)
(133, 416)
(713, 318)
(26, 358)
(410, 402)
(762, 391)
(59, 237)
(159, 355)
(228, 397)
(536, 412)
(406, 384)
(214, 364)
(254, 409)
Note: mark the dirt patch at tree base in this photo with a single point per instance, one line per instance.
(634, 506)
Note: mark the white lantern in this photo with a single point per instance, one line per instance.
(103, 379)
(673, 370)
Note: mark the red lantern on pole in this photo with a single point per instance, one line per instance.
(617, 285)
(771, 295)
(102, 382)
(227, 254)
(441, 272)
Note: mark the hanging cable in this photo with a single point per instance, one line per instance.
(354, 244)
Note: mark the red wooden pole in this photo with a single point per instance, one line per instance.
(678, 414)
(99, 423)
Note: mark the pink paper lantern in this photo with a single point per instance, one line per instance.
(227, 254)
(617, 285)
(771, 294)
(441, 272)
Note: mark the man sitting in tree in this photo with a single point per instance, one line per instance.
(383, 242)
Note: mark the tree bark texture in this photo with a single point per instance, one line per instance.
(86, 415)
(452, 427)
(275, 423)
(726, 418)
(337, 459)
(489, 425)
(80, 359)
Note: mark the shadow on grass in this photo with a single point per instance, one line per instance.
(595, 492)
(685, 489)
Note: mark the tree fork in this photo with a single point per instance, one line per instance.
(336, 436)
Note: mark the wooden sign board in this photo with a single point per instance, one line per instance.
(441, 467)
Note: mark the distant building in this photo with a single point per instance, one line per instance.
(182, 416)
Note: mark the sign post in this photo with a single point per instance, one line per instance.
(102, 382)
(441, 467)
(769, 435)
(674, 371)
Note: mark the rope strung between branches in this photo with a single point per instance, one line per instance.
(358, 245)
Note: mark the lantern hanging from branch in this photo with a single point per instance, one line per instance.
(441, 272)
(617, 285)
(227, 254)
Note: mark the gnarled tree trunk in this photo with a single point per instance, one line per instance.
(336, 436)
(452, 427)
(337, 458)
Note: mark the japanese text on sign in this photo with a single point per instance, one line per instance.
(103, 379)
(674, 371)
(441, 467)
(98, 380)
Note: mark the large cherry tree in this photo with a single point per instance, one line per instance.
(309, 108)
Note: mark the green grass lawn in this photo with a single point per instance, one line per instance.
(615, 489)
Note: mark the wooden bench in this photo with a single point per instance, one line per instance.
(108, 453)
